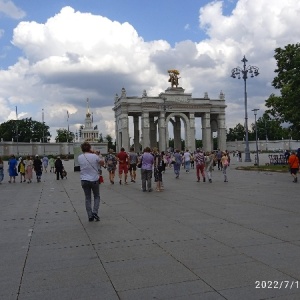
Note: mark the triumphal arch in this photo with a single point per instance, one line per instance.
(147, 119)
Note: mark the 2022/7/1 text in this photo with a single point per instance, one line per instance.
(274, 284)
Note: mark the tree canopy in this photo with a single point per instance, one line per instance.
(24, 130)
(236, 133)
(286, 107)
(64, 135)
(269, 128)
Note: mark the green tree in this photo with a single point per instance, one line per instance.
(286, 107)
(64, 135)
(269, 128)
(24, 130)
(199, 144)
(236, 133)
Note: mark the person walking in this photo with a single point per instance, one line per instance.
(200, 164)
(147, 161)
(21, 170)
(111, 165)
(28, 168)
(12, 168)
(225, 164)
(219, 158)
(187, 160)
(294, 165)
(38, 168)
(193, 160)
(122, 157)
(1, 170)
(177, 163)
(45, 161)
(133, 159)
(52, 164)
(209, 164)
(58, 168)
(89, 163)
(158, 169)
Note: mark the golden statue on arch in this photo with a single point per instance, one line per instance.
(173, 77)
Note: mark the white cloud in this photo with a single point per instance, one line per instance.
(74, 56)
(10, 9)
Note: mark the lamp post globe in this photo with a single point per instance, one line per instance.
(239, 73)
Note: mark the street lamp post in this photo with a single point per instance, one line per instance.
(243, 72)
(257, 157)
(266, 136)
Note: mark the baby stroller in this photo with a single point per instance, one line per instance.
(64, 174)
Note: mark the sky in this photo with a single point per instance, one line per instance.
(55, 55)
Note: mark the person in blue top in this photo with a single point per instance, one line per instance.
(12, 168)
(147, 160)
(178, 161)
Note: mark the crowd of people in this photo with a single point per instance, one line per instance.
(25, 167)
(152, 163)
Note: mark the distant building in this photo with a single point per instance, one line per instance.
(88, 132)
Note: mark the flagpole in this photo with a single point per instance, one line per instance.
(43, 130)
(68, 126)
(17, 133)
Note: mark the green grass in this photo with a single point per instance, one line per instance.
(269, 168)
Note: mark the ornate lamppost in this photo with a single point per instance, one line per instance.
(257, 157)
(243, 72)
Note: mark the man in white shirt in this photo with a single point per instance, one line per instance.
(89, 175)
(187, 160)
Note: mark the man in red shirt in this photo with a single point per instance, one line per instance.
(294, 165)
(123, 164)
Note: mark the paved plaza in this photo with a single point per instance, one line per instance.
(235, 240)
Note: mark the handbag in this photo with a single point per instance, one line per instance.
(139, 165)
(101, 179)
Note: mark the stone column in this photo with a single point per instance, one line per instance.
(162, 131)
(153, 136)
(136, 134)
(221, 132)
(177, 133)
(124, 131)
(192, 135)
(145, 129)
(117, 134)
(206, 132)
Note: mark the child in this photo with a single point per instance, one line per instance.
(21, 170)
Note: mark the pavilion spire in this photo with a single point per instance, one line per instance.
(88, 114)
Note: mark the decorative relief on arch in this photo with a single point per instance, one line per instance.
(214, 125)
(192, 120)
(124, 122)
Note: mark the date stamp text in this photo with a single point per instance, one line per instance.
(274, 284)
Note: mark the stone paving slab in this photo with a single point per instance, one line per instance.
(191, 241)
